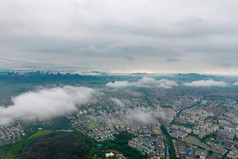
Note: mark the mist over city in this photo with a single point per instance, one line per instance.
(116, 79)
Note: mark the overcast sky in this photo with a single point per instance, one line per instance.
(163, 36)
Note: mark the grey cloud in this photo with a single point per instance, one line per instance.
(130, 58)
(140, 34)
(172, 59)
(130, 48)
(193, 27)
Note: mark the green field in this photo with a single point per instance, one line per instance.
(193, 140)
(94, 124)
(40, 133)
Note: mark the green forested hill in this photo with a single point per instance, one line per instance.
(53, 145)
(47, 144)
(61, 145)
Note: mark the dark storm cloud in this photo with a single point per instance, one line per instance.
(129, 36)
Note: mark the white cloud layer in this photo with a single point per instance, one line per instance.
(207, 83)
(44, 104)
(148, 115)
(118, 102)
(145, 82)
(235, 83)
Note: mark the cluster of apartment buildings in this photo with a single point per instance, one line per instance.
(11, 133)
